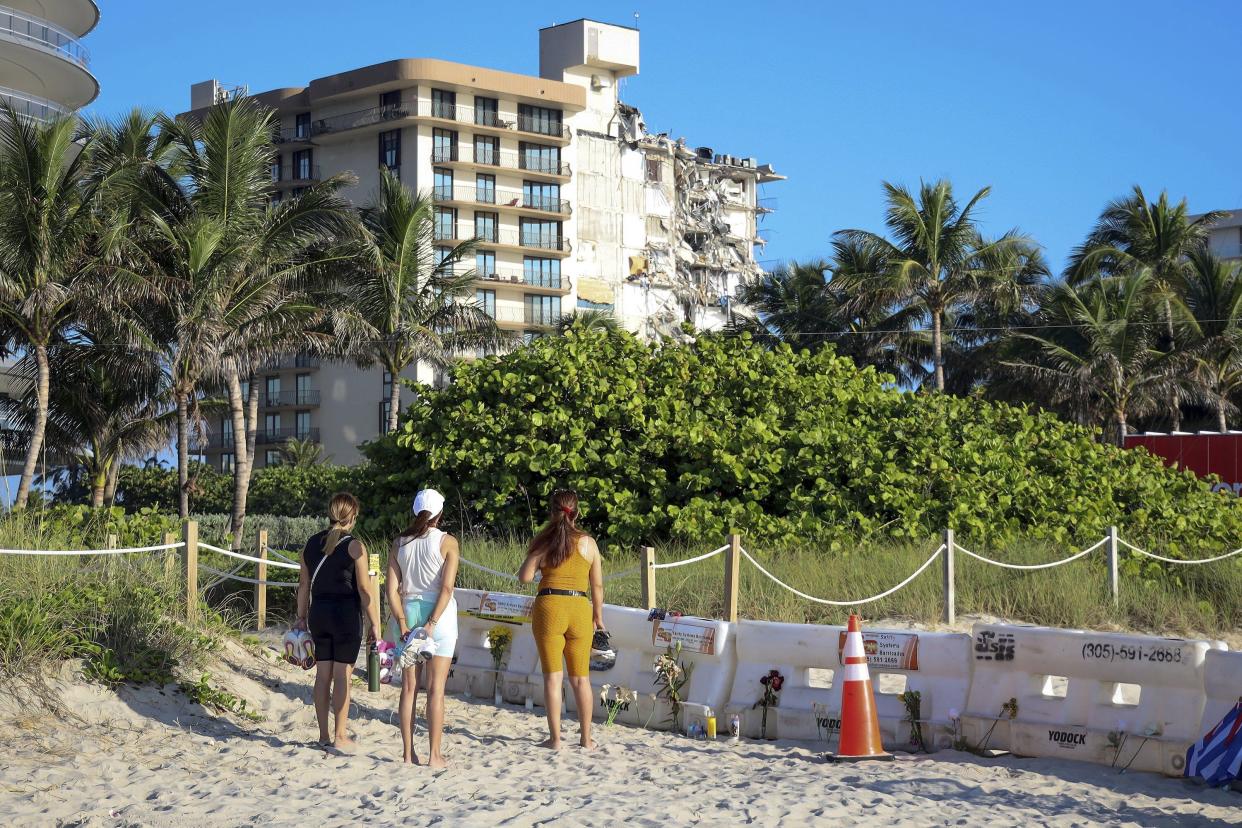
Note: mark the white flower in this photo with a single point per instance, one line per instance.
(954, 714)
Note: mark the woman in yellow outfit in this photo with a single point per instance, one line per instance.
(564, 620)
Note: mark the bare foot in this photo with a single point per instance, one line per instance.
(587, 745)
(436, 762)
(551, 744)
(411, 759)
(345, 744)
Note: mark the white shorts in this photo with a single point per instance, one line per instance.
(418, 610)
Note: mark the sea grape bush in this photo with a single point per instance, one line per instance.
(688, 441)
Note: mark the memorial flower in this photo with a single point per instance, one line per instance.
(671, 676)
(498, 640)
(772, 684)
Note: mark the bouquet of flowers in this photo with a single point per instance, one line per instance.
(671, 676)
(772, 684)
(498, 640)
(621, 698)
(913, 700)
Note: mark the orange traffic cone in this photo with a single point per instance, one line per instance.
(860, 724)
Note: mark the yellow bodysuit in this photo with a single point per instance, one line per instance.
(562, 623)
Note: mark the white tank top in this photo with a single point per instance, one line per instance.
(422, 565)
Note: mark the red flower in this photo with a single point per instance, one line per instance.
(777, 682)
(764, 680)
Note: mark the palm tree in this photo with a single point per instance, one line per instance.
(1209, 326)
(1133, 233)
(1098, 354)
(587, 321)
(45, 223)
(936, 262)
(410, 303)
(302, 454)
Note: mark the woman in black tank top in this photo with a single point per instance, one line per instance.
(334, 592)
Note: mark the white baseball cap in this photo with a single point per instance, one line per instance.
(429, 500)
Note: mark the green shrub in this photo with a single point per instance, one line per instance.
(283, 490)
(668, 441)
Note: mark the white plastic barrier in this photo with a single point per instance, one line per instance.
(1222, 686)
(936, 665)
(1123, 700)
(474, 671)
(708, 651)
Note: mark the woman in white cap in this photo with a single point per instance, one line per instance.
(422, 570)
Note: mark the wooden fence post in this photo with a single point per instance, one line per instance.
(648, 577)
(170, 557)
(733, 559)
(189, 568)
(950, 592)
(1113, 584)
(113, 541)
(260, 589)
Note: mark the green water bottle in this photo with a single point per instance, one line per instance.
(373, 668)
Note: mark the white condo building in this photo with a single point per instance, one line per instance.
(44, 68)
(576, 205)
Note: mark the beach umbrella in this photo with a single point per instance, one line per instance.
(1217, 757)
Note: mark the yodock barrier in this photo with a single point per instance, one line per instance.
(1129, 701)
(707, 651)
(936, 665)
(1222, 686)
(474, 671)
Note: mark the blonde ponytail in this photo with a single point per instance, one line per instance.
(342, 512)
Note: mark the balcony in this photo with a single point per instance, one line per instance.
(508, 238)
(283, 435)
(378, 118)
(32, 107)
(502, 199)
(517, 278)
(53, 55)
(43, 34)
(523, 318)
(530, 165)
(1227, 250)
(289, 362)
(290, 399)
(288, 138)
(294, 175)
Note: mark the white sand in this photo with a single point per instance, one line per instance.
(145, 757)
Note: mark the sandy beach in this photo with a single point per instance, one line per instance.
(145, 757)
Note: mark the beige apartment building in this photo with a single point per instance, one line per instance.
(575, 205)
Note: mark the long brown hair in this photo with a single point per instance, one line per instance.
(558, 540)
(342, 512)
(420, 524)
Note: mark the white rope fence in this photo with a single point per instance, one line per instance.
(239, 556)
(688, 561)
(231, 576)
(884, 594)
(1031, 567)
(125, 551)
(1176, 560)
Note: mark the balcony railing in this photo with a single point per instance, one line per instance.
(296, 135)
(43, 34)
(290, 398)
(32, 107)
(427, 109)
(505, 235)
(517, 276)
(298, 361)
(294, 173)
(284, 435)
(501, 197)
(525, 316)
(1228, 250)
(504, 159)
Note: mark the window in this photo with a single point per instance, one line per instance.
(302, 165)
(541, 272)
(390, 99)
(538, 158)
(530, 336)
(485, 111)
(385, 407)
(443, 104)
(485, 264)
(301, 125)
(275, 199)
(542, 310)
(486, 226)
(245, 389)
(654, 169)
(390, 150)
(297, 191)
(302, 383)
(486, 150)
(226, 433)
(443, 145)
(227, 462)
(446, 223)
(485, 189)
(387, 385)
(271, 426)
(442, 189)
(272, 389)
(538, 196)
(544, 234)
(486, 299)
(272, 457)
(539, 119)
(442, 254)
(275, 169)
(302, 423)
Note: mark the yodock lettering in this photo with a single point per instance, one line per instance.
(1066, 738)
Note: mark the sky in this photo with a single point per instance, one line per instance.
(1057, 106)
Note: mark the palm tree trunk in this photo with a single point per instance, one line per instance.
(99, 483)
(183, 456)
(937, 355)
(42, 392)
(1121, 426)
(252, 427)
(114, 473)
(394, 402)
(241, 457)
(1175, 402)
(1221, 424)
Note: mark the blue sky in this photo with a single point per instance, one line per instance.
(1059, 106)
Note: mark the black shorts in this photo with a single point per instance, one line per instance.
(336, 628)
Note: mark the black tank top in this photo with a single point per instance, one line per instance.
(336, 576)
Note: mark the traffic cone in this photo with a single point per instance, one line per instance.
(860, 724)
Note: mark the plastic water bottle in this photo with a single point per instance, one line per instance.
(735, 729)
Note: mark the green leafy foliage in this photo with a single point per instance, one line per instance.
(204, 693)
(668, 441)
(278, 490)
